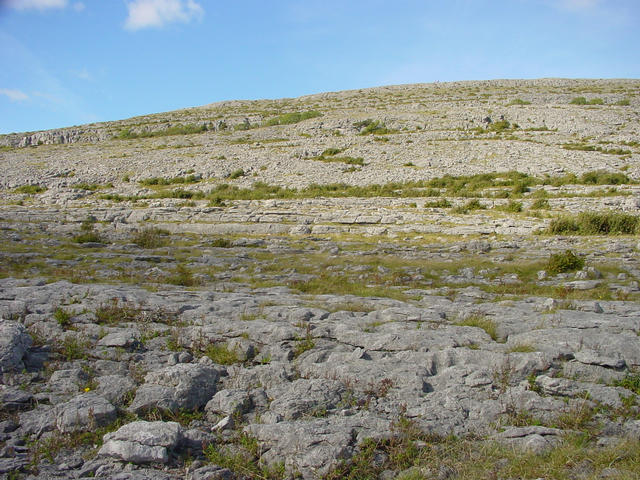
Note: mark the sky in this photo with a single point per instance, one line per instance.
(70, 62)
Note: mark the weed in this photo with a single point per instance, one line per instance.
(72, 348)
(183, 277)
(150, 238)
(114, 312)
(304, 344)
(631, 382)
(522, 348)
(62, 317)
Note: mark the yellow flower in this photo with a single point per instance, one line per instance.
(87, 389)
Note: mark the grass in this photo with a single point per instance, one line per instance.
(454, 186)
(518, 101)
(188, 129)
(115, 312)
(480, 321)
(595, 148)
(291, 118)
(221, 354)
(595, 223)
(245, 459)
(152, 181)
(30, 189)
(584, 101)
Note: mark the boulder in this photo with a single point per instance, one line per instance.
(14, 344)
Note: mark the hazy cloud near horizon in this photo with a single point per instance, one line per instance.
(13, 94)
(157, 13)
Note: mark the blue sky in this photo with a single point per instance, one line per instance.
(69, 62)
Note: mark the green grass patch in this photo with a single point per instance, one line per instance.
(480, 321)
(221, 354)
(373, 127)
(153, 181)
(584, 101)
(30, 189)
(595, 223)
(291, 118)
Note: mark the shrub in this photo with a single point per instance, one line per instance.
(600, 177)
(237, 174)
(564, 262)
(291, 118)
(519, 101)
(584, 101)
(469, 206)
(372, 127)
(88, 237)
(596, 223)
(512, 207)
(62, 317)
(442, 203)
(540, 204)
(499, 126)
(150, 238)
(623, 103)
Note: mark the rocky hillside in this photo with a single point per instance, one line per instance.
(420, 281)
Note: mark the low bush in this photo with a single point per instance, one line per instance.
(30, 189)
(595, 223)
(151, 238)
(564, 262)
(291, 118)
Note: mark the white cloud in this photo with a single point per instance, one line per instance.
(79, 6)
(14, 95)
(35, 4)
(157, 13)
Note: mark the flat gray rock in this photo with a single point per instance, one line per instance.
(185, 385)
(84, 412)
(142, 442)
